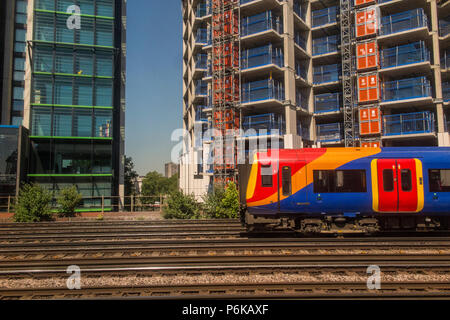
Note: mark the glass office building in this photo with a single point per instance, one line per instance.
(76, 97)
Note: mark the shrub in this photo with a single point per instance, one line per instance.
(68, 200)
(33, 204)
(222, 203)
(181, 206)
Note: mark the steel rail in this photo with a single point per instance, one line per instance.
(305, 290)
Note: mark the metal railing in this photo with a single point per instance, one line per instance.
(261, 22)
(262, 90)
(268, 122)
(403, 89)
(327, 102)
(102, 204)
(260, 56)
(330, 132)
(408, 123)
(403, 21)
(325, 45)
(326, 73)
(404, 55)
(324, 16)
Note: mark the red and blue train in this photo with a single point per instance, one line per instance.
(347, 190)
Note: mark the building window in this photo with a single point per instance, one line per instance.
(21, 12)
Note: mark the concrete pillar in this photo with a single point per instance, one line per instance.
(437, 69)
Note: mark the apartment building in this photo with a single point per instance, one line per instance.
(291, 62)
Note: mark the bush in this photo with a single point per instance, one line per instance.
(33, 204)
(222, 203)
(68, 200)
(181, 206)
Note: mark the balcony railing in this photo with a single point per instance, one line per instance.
(327, 102)
(325, 45)
(403, 89)
(445, 59)
(300, 9)
(300, 40)
(201, 88)
(403, 55)
(263, 124)
(408, 123)
(203, 9)
(326, 73)
(324, 16)
(201, 36)
(261, 56)
(330, 132)
(262, 90)
(200, 114)
(201, 62)
(402, 21)
(301, 70)
(261, 22)
(446, 91)
(301, 100)
(444, 26)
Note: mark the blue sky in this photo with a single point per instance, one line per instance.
(154, 81)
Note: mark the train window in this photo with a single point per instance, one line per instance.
(286, 181)
(406, 179)
(388, 180)
(339, 181)
(439, 180)
(266, 176)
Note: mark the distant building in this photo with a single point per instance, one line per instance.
(172, 169)
(138, 185)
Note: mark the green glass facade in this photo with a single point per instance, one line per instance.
(74, 103)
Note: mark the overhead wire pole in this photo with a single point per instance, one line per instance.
(347, 71)
(226, 87)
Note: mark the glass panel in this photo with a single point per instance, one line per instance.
(266, 176)
(62, 122)
(63, 159)
(83, 122)
(406, 180)
(86, 6)
(388, 180)
(21, 6)
(439, 180)
(86, 33)
(18, 93)
(64, 61)
(103, 93)
(19, 47)
(43, 59)
(83, 92)
(103, 123)
(63, 34)
(63, 91)
(82, 158)
(18, 105)
(45, 4)
(63, 5)
(104, 33)
(44, 27)
(104, 65)
(40, 158)
(84, 62)
(43, 90)
(41, 121)
(286, 181)
(21, 18)
(21, 35)
(16, 121)
(19, 76)
(102, 159)
(105, 8)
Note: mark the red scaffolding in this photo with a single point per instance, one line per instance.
(226, 87)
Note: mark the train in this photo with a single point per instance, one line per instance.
(346, 190)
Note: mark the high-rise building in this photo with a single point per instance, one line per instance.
(328, 73)
(67, 87)
(171, 169)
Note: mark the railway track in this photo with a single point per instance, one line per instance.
(140, 251)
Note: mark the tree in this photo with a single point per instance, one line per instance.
(155, 184)
(33, 204)
(68, 200)
(222, 203)
(181, 206)
(130, 177)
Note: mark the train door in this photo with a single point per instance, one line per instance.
(400, 185)
(292, 179)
